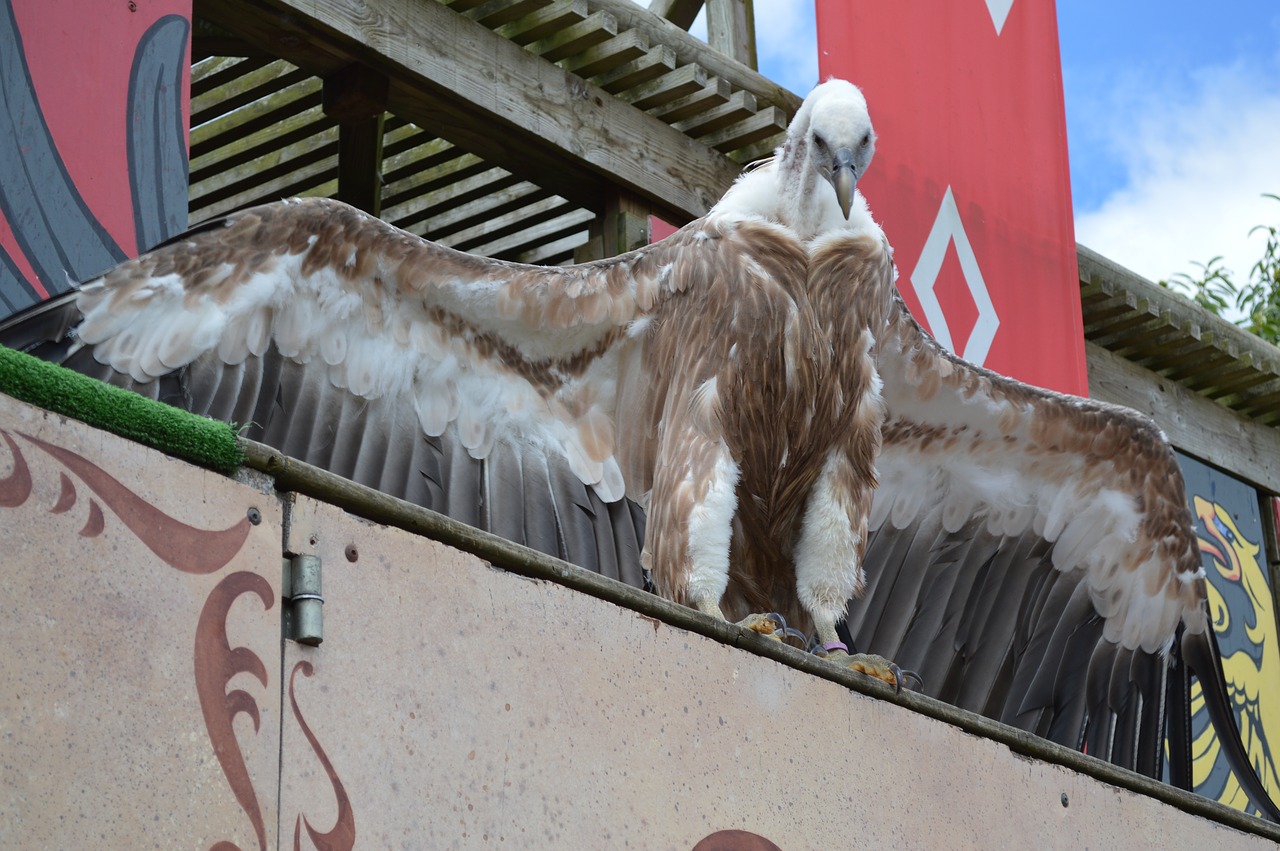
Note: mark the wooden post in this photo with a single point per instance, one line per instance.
(356, 97)
(731, 29)
(623, 227)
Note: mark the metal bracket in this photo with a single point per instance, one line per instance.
(304, 601)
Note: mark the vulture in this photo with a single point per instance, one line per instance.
(744, 415)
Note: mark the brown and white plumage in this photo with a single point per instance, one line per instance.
(745, 382)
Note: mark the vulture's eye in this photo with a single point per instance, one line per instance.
(866, 140)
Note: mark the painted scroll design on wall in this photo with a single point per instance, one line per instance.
(343, 835)
(187, 549)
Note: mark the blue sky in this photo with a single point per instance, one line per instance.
(1173, 121)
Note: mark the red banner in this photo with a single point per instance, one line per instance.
(970, 179)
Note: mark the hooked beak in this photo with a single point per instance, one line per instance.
(843, 179)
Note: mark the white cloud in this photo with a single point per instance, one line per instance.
(787, 43)
(1197, 163)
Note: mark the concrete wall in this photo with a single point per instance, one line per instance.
(148, 699)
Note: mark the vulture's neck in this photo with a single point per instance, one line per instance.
(806, 202)
(790, 191)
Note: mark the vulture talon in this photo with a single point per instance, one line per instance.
(907, 677)
(795, 634)
(771, 625)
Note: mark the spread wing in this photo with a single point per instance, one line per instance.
(1032, 554)
(490, 391)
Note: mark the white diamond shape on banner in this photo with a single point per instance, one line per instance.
(947, 227)
(999, 10)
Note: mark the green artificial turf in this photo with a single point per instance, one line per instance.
(209, 443)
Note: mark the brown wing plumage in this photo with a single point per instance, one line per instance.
(506, 396)
(1032, 553)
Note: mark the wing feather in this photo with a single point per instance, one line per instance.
(486, 350)
(1026, 585)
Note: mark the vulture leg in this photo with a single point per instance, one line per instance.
(833, 536)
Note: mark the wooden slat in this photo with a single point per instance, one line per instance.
(545, 22)
(246, 127)
(246, 90)
(682, 13)
(429, 179)
(220, 71)
(538, 244)
(652, 65)
(508, 235)
(608, 55)
(758, 150)
(576, 38)
(496, 203)
(237, 151)
(495, 13)
(764, 124)
(285, 166)
(554, 252)
(690, 50)
(431, 208)
(739, 106)
(1194, 424)
(494, 99)
(685, 80)
(715, 93)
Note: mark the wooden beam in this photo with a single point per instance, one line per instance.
(682, 13)
(356, 98)
(490, 97)
(1196, 425)
(731, 29)
(626, 225)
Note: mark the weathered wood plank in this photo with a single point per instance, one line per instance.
(274, 176)
(685, 80)
(764, 124)
(491, 97)
(557, 252)
(731, 29)
(655, 63)
(715, 93)
(496, 202)
(1196, 425)
(682, 13)
(255, 124)
(545, 22)
(690, 50)
(510, 230)
(443, 202)
(608, 55)
(421, 181)
(758, 150)
(549, 243)
(219, 71)
(234, 150)
(495, 13)
(740, 105)
(576, 38)
(253, 87)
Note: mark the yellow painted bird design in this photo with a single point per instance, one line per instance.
(1250, 645)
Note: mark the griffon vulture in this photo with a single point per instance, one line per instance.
(718, 408)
